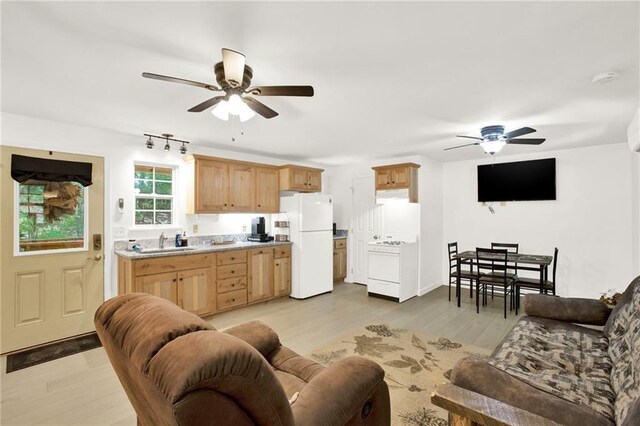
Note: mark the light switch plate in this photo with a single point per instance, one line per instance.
(194, 229)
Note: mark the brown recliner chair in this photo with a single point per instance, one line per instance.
(178, 370)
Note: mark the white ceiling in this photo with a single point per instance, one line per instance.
(391, 79)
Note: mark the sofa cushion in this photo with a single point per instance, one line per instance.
(563, 361)
(624, 351)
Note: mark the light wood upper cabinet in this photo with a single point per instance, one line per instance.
(315, 181)
(219, 185)
(211, 186)
(242, 188)
(196, 292)
(398, 176)
(267, 191)
(299, 178)
(260, 276)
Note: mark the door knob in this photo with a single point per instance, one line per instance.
(96, 257)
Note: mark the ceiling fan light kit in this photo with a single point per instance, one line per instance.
(234, 106)
(234, 77)
(494, 138)
(166, 137)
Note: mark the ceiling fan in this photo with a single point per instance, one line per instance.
(234, 79)
(494, 138)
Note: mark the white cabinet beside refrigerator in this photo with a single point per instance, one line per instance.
(311, 232)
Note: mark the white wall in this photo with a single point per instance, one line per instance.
(635, 212)
(120, 151)
(590, 222)
(424, 219)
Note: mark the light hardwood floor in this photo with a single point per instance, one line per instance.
(83, 389)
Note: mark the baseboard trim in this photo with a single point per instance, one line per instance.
(427, 289)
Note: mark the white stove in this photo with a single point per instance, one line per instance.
(393, 267)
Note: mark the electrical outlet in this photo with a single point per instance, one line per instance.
(244, 228)
(119, 232)
(503, 203)
(194, 228)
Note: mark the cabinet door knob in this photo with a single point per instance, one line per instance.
(233, 285)
(225, 204)
(180, 279)
(259, 205)
(233, 300)
(233, 272)
(233, 258)
(174, 280)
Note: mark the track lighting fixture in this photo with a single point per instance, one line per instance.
(167, 138)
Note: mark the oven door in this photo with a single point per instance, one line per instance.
(384, 266)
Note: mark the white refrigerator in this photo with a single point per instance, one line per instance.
(310, 219)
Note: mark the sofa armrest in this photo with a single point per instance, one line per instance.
(581, 311)
(257, 334)
(473, 408)
(342, 391)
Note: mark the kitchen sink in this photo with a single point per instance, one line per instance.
(166, 250)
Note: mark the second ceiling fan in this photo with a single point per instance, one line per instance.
(234, 79)
(494, 138)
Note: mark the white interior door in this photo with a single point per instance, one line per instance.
(367, 222)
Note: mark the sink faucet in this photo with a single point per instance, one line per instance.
(161, 240)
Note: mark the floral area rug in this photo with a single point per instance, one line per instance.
(414, 365)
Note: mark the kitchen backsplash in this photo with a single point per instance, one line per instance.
(199, 240)
(342, 233)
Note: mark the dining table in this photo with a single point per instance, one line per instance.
(525, 262)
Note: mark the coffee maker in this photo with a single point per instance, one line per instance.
(258, 233)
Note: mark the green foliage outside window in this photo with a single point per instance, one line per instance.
(153, 187)
(35, 226)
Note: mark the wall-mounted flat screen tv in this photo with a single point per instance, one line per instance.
(519, 181)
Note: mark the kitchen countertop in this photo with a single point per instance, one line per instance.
(339, 237)
(243, 245)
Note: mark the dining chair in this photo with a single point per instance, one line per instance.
(493, 271)
(534, 283)
(511, 248)
(465, 274)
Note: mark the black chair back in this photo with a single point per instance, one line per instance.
(555, 265)
(492, 261)
(511, 248)
(453, 251)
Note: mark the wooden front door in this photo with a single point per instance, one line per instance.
(52, 272)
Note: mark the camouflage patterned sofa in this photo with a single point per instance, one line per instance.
(554, 370)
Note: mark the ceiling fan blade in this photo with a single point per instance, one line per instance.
(180, 80)
(519, 132)
(525, 141)
(461, 146)
(469, 137)
(207, 104)
(233, 63)
(281, 90)
(260, 108)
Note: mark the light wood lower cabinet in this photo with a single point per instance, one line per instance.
(260, 278)
(339, 259)
(161, 285)
(212, 282)
(282, 276)
(196, 292)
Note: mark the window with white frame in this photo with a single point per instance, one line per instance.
(154, 188)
